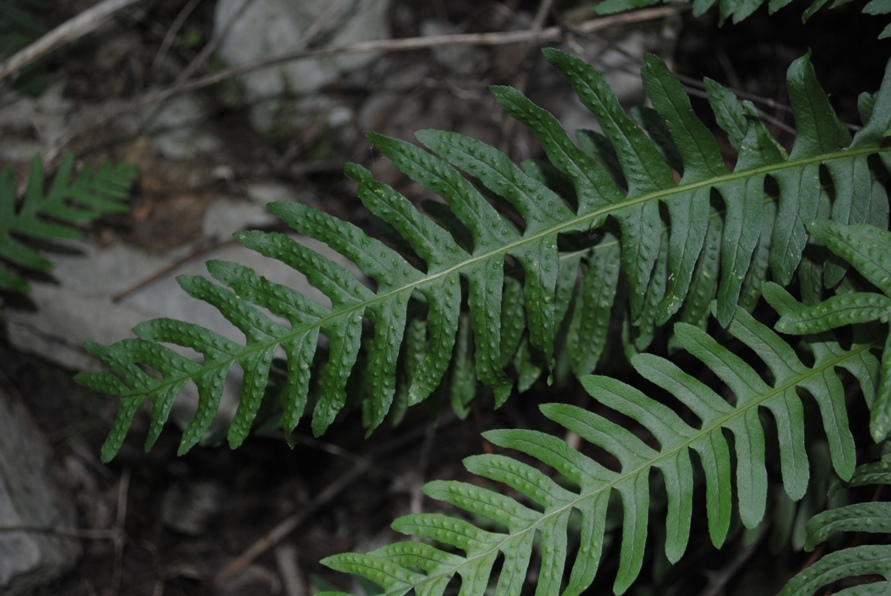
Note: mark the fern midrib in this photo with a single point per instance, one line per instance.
(572, 223)
(703, 431)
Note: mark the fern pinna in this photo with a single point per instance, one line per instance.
(623, 179)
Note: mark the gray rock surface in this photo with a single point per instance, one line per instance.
(274, 27)
(30, 497)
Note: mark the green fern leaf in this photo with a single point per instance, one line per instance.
(875, 7)
(589, 484)
(484, 268)
(49, 215)
(818, 131)
(859, 517)
(514, 315)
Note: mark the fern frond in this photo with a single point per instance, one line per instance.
(855, 561)
(590, 483)
(51, 215)
(514, 313)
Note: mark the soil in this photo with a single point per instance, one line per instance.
(176, 524)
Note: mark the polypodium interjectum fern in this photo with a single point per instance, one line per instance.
(49, 215)
(719, 224)
(585, 485)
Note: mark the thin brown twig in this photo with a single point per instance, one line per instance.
(178, 22)
(203, 56)
(719, 579)
(211, 46)
(320, 23)
(509, 124)
(164, 271)
(541, 14)
(549, 34)
(82, 533)
(292, 522)
(72, 29)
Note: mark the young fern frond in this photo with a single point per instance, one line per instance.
(855, 561)
(543, 519)
(658, 258)
(50, 215)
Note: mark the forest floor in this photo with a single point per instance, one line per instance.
(258, 520)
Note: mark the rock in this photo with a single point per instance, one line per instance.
(462, 60)
(188, 505)
(31, 125)
(176, 128)
(30, 497)
(268, 192)
(274, 27)
(223, 216)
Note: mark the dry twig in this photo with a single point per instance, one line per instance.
(548, 34)
(509, 124)
(119, 538)
(72, 29)
(361, 466)
(173, 32)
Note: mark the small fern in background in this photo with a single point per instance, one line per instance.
(51, 214)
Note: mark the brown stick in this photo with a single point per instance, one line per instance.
(72, 29)
(407, 44)
(82, 533)
(292, 522)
